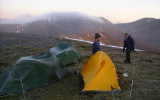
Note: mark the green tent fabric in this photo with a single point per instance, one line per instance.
(66, 53)
(34, 71)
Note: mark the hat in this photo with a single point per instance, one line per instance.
(126, 34)
(97, 35)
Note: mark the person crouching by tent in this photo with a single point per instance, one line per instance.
(129, 46)
(96, 44)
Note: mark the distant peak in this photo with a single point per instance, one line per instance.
(105, 20)
(147, 19)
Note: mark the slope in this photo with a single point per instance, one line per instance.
(146, 80)
(146, 30)
(79, 25)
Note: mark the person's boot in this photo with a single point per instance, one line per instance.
(129, 61)
(125, 61)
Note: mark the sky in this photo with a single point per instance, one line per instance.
(116, 11)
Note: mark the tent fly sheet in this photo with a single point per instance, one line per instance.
(35, 71)
(99, 74)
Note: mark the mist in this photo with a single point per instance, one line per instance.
(51, 17)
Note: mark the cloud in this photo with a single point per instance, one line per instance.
(52, 16)
(67, 16)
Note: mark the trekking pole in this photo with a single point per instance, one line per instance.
(133, 78)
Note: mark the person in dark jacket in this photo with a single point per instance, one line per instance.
(129, 46)
(96, 44)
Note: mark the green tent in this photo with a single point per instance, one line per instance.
(65, 52)
(35, 71)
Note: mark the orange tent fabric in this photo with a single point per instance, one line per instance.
(99, 74)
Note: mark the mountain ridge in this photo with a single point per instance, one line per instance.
(76, 25)
(146, 30)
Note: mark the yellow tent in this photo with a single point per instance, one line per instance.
(99, 74)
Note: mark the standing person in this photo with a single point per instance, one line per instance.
(96, 44)
(129, 46)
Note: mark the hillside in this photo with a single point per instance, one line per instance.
(146, 30)
(63, 23)
(75, 25)
(71, 24)
(105, 39)
(146, 80)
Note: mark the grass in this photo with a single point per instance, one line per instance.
(146, 80)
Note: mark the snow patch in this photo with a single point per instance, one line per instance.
(118, 47)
